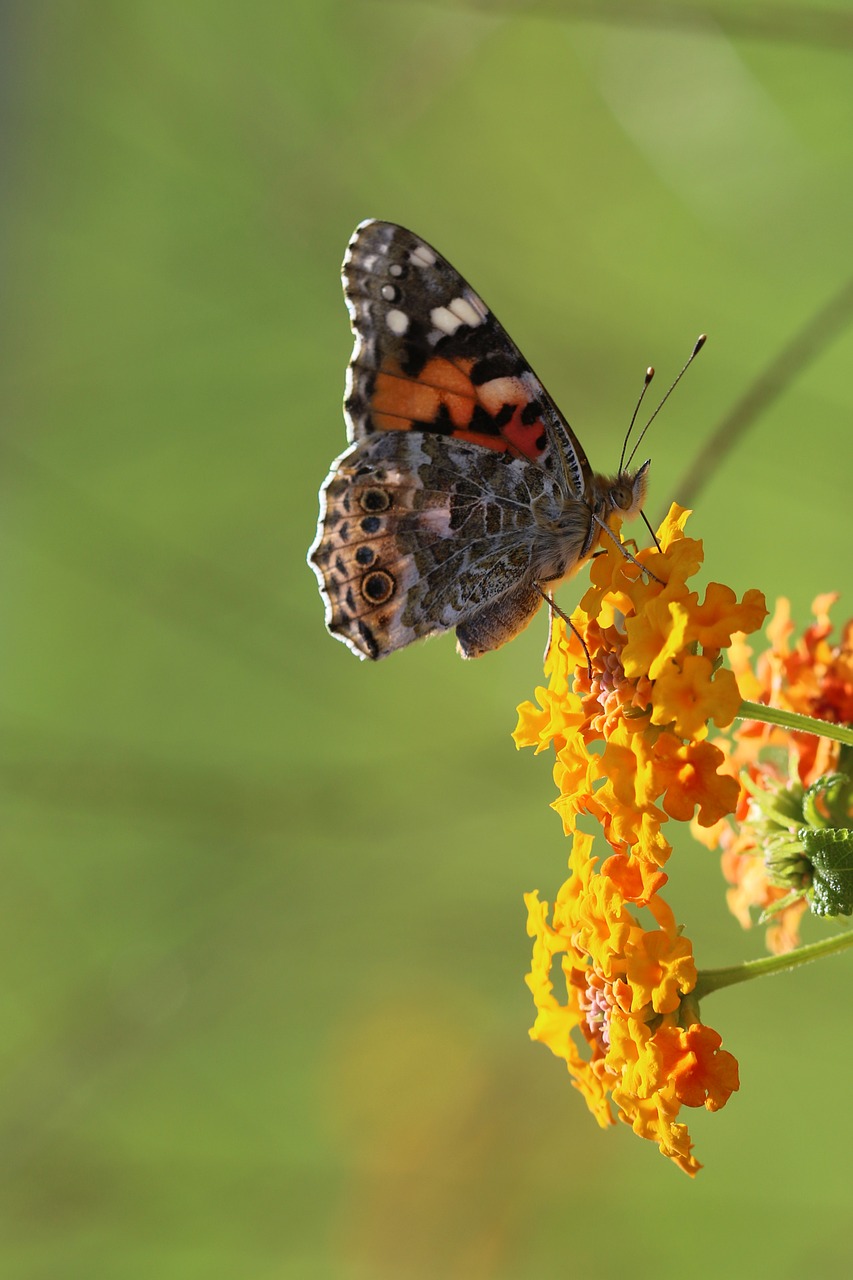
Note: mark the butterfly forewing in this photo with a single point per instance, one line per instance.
(430, 356)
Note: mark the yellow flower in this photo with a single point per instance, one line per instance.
(660, 971)
(715, 622)
(653, 1118)
(633, 679)
(625, 997)
(625, 802)
(630, 694)
(691, 694)
(655, 637)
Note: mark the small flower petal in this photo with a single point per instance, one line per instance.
(687, 697)
(703, 1074)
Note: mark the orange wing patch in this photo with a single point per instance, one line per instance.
(498, 414)
(442, 392)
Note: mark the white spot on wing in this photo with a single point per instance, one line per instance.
(462, 308)
(397, 322)
(388, 292)
(500, 391)
(422, 256)
(395, 269)
(444, 320)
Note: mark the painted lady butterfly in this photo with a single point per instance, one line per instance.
(464, 496)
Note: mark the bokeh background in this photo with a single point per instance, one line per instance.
(262, 1010)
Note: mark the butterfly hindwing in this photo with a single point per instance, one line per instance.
(420, 534)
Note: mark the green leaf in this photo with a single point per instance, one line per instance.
(831, 853)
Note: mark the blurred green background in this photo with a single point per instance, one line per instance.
(262, 1009)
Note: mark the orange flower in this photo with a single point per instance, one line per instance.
(702, 1073)
(627, 989)
(691, 773)
(814, 678)
(810, 676)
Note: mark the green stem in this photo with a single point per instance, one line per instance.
(715, 979)
(793, 720)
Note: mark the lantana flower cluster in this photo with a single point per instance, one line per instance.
(632, 691)
(628, 995)
(795, 787)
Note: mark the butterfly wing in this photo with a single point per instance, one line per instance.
(430, 356)
(429, 520)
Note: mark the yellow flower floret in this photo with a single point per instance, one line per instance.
(688, 695)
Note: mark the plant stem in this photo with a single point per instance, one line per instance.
(793, 720)
(715, 979)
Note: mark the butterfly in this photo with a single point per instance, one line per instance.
(464, 497)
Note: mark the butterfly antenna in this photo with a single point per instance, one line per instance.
(650, 373)
(700, 342)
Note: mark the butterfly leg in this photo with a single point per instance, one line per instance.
(553, 608)
(625, 552)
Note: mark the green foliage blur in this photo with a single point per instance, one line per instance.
(262, 1010)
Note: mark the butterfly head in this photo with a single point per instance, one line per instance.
(624, 494)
